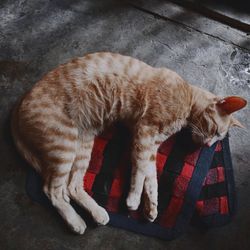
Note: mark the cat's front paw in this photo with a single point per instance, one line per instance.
(101, 216)
(150, 212)
(133, 201)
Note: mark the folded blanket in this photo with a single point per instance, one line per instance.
(196, 185)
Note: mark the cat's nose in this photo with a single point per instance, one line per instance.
(209, 142)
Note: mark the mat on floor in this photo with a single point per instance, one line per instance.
(196, 185)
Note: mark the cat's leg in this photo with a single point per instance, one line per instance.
(150, 195)
(151, 183)
(76, 191)
(55, 188)
(144, 172)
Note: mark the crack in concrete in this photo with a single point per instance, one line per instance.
(214, 15)
(187, 27)
(164, 44)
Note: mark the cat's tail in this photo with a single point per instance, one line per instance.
(19, 141)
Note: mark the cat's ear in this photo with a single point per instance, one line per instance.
(231, 104)
(236, 123)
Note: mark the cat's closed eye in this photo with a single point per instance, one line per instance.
(217, 133)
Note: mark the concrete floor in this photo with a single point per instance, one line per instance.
(36, 36)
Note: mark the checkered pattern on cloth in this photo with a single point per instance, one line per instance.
(107, 180)
(194, 183)
(217, 202)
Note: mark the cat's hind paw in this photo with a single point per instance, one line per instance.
(77, 225)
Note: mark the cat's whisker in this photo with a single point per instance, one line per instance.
(197, 131)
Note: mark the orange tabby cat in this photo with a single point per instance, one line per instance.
(55, 123)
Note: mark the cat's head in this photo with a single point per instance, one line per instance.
(212, 122)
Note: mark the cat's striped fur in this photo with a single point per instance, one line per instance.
(55, 123)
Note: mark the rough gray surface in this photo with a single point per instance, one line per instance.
(36, 36)
(234, 9)
(195, 21)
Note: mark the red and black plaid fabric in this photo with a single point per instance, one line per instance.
(216, 204)
(213, 197)
(195, 184)
(108, 176)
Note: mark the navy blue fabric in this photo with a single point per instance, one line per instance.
(122, 220)
(194, 187)
(217, 219)
(34, 188)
